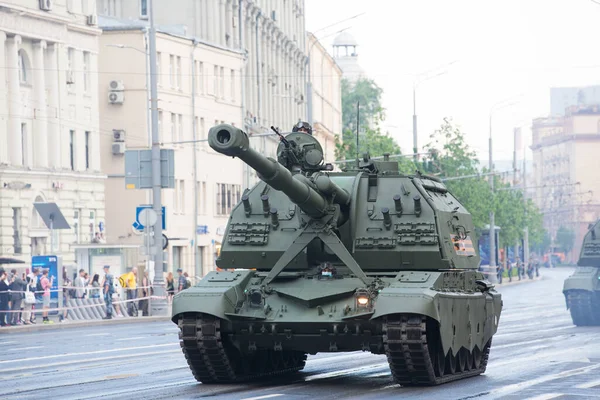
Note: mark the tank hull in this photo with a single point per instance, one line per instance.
(582, 296)
(440, 316)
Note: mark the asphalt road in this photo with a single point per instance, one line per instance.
(537, 353)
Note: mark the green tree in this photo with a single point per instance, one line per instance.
(372, 140)
(565, 238)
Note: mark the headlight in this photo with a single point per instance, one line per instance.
(363, 298)
(255, 297)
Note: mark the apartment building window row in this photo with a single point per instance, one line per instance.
(228, 195)
(201, 200)
(179, 204)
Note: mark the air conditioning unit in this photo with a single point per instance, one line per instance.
(46, 5)
(92, 19)
(70, 77)
(118, 135)
(118, 148)
(116, 85)
(116, 97)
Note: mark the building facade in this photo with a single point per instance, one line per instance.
(272, 35)
(198, 87)
(564, 97)
(49, 125)
(346, 56)
(565, 160)
(326, 79)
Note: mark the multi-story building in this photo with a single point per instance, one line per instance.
(49, 127)
(565, 161)
(198, 85)
(272, 35)
(346, 56)
(325, 78)
(564, 97)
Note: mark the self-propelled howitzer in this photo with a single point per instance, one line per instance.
(320, 261)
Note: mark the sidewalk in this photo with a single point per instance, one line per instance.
(39, 326)
(516, 281)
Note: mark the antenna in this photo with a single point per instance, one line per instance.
(357, 131)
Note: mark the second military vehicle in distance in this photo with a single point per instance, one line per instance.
(366, 259)
(582, 289)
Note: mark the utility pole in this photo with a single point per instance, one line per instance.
(492, 276)
(195, 160)
(415, 156)
(159, 306)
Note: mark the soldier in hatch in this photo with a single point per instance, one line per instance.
(303, 127)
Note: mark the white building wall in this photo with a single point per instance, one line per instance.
(39, 109)
(217, 101)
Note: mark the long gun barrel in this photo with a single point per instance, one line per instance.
(231, 141)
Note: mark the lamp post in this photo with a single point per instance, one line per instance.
(492, 267)
(416, 83)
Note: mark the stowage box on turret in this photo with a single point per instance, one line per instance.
(321, 261)
(582, 289)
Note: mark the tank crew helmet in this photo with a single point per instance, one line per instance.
(302, 127)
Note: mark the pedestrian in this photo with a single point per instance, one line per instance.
(17, 288)
(130, 280)
(29, 301)
(66, 295)
(181, 282)
(95, 292)
(170, 283)
(146, 290)
(3, 297)
(46, 285)
(108, 290)
(80, 285)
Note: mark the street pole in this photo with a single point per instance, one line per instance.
(159, 306)
(195, 160)
(492, 273)
(415, 156)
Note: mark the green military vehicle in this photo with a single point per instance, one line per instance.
(322, 261)
(582, 289)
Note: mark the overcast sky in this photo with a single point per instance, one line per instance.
(505, 49)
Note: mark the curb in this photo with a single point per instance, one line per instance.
(517, 282)
(79, 324)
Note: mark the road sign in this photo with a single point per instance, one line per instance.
(165, 241)
(101, 226)
(139, 225)
(147, 217)
(202, 230)
(138, 169)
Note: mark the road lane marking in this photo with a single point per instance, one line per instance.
(267, 396)
(517, 387)
(122, 376)
(334, 374)
(25, 348)
(96, 334)
(131, 338)
(546, 396)
(89, 360)
(588, 385)
(90, 352)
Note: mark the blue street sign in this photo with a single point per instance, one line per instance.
(139, 226)
(201, 229)
(101, 226)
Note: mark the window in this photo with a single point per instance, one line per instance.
(86, 75)
(177, 258)
(227, 197)
(202, 131)
(173, 127)
(179, 72)
(92, 224)
(222, 83)
(70, 68)
(72, 148)
(216, 81)
(76, 226)
(84, 7)
(87, 150)
(203, 196)
(199, 196)
(176, 197)
(22, 67)
(201, 77)
(144, 8)
(180, 127)
(158, 63)
(182, 197)
(24, 154)
(171, 71)
(160, 125)
(232, 85)
(17, 243)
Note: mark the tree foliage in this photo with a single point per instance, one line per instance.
(372, 140)
(565, 238)
(451, 157)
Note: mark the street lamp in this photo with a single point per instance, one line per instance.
(416, 83)
(492, 267)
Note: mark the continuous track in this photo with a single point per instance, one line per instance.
(584, 307)
(414, 352)
(213, 359)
